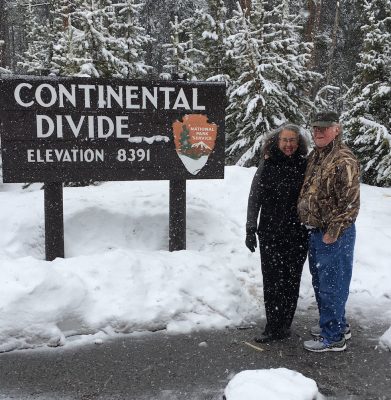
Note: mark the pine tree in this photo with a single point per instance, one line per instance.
(367, 121)
(156, 18)
(208, 50)
(37, 58)
(14, 33)
(128, 39)
(176, 60)
(66, 58)
(185, 140)
(274, 80)
(86, 45)
(218, 65)
(201, 43)
(292, 56)
(327, 97)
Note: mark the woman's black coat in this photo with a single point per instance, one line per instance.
(274, 193)
(282, 238)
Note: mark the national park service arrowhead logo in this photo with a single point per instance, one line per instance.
(194, 140)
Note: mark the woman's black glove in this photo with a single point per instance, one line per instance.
(251, 240)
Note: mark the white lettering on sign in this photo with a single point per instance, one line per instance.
(64, 155)
(134, 155)
(52, 97)
(64, 93)
(87, 94)
(181, 101)
(43, 121)
(125, 97)
(99, 126)
(105, 127)
(86, 155)
(146, 94)
(166, 91)
(131, 93)
(17, 94)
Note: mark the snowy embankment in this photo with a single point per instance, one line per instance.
(118, 275)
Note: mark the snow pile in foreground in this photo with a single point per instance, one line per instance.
(385, 340)
(271, 384)
(119, 277)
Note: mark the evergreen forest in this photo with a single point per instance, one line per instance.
(281, 60)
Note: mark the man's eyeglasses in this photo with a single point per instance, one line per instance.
(288, 140)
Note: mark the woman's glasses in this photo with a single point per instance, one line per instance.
(288, 140)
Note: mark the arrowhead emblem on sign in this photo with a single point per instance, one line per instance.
(194, 139)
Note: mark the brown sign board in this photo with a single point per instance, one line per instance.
(72, 129)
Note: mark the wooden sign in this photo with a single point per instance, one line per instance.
(78, 129)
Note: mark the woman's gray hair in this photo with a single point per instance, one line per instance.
(271, 140)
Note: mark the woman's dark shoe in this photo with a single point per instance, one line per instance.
(264, 338)
(267, 337)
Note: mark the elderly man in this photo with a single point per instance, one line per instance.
(328, 205)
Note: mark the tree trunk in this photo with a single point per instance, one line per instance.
(246, 6)
(3, 37)
(312, 28)
(333, 42)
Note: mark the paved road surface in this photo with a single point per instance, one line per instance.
(192, 367)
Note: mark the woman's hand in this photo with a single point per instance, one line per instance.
(251, 241)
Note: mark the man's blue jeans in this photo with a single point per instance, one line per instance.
(331, 269)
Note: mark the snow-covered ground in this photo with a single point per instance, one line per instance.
(118, 276)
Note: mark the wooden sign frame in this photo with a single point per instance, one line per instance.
(78, 129)
(56, 130)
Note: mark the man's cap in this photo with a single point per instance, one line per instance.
(325, 119)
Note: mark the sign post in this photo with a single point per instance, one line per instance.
(54, 221)
(68, 129)
(177, 223)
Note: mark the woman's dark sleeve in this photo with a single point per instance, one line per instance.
(254, 201)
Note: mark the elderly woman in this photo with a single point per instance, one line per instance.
(282, 238)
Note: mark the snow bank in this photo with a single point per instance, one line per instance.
(118, 275)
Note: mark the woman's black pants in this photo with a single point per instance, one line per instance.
(282, 260)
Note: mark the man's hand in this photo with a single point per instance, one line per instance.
(251, 242)
(327, 239)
